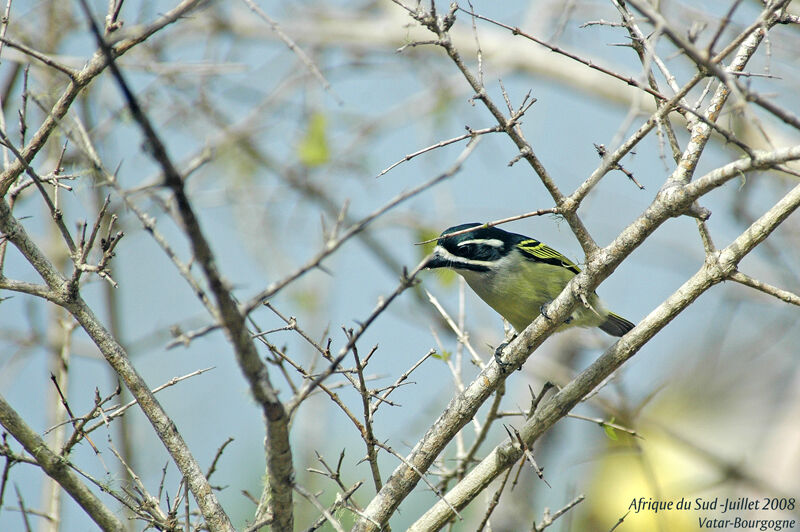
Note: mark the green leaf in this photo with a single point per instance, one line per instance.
(610, 432)
(313, 148)
(444, 355)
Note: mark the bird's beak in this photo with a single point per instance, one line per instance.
(435, 260)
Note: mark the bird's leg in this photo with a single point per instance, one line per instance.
(504, 366)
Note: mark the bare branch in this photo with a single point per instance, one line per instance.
(58, 469)
(783, 295)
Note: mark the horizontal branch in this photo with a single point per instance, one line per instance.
(38, 290)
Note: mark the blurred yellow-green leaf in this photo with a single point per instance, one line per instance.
(237, 162)
(655, 468)
(443, 106)
(423, 234)
(610, 432)
(313, 148)
(306, 298)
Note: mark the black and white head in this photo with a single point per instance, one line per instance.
(477, 250)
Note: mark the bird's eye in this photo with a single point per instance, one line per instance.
(467, 250)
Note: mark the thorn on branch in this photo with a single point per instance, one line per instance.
(435, 42)
(601, 151)
(536, 399)
(523, 153)
(517, 441)
(480, 95)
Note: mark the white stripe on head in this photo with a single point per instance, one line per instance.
(455, 260)
(493, 242)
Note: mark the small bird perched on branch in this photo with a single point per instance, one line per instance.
(517, 276)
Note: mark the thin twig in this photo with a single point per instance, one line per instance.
(421, 475)
(494, 502)
(406, 281)
(540, 212)
(548, 519)
(783, 295)
(603, 423)
(471, 134)
(304, 58)
(121, 410)
(54, 212)
(310, 497)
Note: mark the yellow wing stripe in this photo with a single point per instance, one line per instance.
(542, 252)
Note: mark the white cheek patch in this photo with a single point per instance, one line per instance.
(493, 242)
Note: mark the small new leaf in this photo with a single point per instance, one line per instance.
(610, 432)
(313, 148)
(444, 355)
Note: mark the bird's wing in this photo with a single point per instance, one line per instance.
(537, 251)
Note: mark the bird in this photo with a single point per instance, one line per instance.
(518, 276)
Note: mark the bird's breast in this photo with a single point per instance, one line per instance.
(517, 290)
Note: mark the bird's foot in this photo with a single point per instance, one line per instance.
(504, 366)
(543, 311)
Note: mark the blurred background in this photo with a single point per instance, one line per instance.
(713, 399)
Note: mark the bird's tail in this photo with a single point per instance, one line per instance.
(616, 325)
